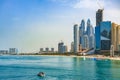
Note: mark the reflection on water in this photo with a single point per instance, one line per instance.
(57, 68)
(115, 69)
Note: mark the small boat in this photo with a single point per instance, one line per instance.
(41, 74)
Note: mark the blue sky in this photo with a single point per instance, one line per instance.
(31, 24)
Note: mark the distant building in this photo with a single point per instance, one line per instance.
(76, 39)
(86, 37)
(52, 49)
(65, 48)
(115, 38)
(72, 47)
(81, 34)
(86, 42)
(62, 48)
(47, 49)
(13, 51)
(41, 49)
(3, 52)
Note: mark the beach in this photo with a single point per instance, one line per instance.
(87, 56)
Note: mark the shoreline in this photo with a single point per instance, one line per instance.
(99, 57)
(86, 56)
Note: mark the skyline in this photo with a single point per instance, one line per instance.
(30, 25)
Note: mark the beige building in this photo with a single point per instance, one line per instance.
(115, 36)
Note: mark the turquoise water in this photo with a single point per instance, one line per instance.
(57, 68)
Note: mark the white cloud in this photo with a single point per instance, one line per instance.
(59, 0)
(89, 4)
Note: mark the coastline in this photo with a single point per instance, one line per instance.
(99, 57)
(90, 56)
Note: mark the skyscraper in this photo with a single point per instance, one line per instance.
(62, 48)
(72, 47)
(103, 36)
(76, 38)
(86, 42)
(82, 33)
(90, 34)
(99, 17)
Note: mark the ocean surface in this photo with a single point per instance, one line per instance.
(57, 68)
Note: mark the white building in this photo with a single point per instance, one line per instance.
(3, 51)
(76, 39)
(13, 51)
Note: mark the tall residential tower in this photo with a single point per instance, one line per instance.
(76, 38)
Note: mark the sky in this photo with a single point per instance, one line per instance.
(33, 24)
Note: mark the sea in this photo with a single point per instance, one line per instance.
(16, 67)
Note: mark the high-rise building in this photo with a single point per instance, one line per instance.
(65, 48)
(13, 51)
(90, 34)
(76, 38)
(62, 48)
(41, 49)
(99, 17)
(103, 36)
(115, 38)
(47, 49)
(86, 42)
(82, 33)
(72, 47)
(52, 49)
(105, 32)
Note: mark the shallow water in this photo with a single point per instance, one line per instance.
(57, 68)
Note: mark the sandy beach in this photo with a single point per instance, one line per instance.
(87, 56)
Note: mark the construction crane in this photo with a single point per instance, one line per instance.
(101, 7)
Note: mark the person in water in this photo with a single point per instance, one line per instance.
(41, 74)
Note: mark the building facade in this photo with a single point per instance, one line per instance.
(72, 47)
(105, 32)
(103, 35)
(97, 38)
(115, 38)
